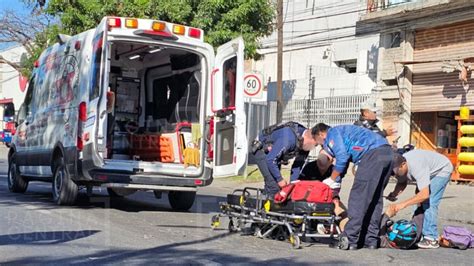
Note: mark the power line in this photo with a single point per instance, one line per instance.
(310, 33)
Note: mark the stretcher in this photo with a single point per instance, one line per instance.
(292, 221)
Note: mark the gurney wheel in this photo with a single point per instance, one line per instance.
(295, 241)
(232, 228)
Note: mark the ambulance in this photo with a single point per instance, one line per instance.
(134, 104)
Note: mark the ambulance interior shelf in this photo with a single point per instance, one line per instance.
(126, 114)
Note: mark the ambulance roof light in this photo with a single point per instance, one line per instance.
(158, 26)
(179, 29)
(194, 33)
(115, 22)
(131, 23)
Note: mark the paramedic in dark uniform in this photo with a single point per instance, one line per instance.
(275, 146)
(374, 157)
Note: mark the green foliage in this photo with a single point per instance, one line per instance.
(221, 20)
(42, 40)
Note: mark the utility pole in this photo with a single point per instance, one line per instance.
(310, 96)
(280, 61)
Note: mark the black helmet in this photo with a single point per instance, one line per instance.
(402, 234)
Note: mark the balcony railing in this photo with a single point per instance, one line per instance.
(377, 5)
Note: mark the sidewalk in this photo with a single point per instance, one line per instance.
(457, 205)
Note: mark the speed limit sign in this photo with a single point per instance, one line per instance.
(253, 87)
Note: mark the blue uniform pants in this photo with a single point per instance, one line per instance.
(271, 186)
(366, 197)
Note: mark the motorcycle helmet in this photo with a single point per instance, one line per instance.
(402, 234)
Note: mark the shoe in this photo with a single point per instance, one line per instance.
(428, 243)
(353, 247)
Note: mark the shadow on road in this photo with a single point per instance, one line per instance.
(175, 253)
(39, 194)
(44, 238)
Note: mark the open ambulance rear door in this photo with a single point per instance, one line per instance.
(99, 71)
(230, 139)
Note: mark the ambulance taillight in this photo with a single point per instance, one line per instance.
(82, 119)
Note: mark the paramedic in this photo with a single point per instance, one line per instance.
(368, 119)
(275, 146)
(374, 156)
(432, 172)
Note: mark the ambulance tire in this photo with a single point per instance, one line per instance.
(64, 189)
(181, 200)
(16, 182)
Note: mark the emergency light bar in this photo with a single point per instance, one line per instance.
(158, 29)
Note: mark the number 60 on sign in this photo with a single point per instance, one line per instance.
(253, 86)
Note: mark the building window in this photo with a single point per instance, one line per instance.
(390, 82)
(349, 65)
(395, 39)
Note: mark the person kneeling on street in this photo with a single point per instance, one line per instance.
(432, 172)
(275, 146)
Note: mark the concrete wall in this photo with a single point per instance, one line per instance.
(9, 77)
(320, 36)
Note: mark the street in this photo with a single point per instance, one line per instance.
(140, 229)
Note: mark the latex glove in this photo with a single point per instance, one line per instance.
(331, 183)
(282, 183)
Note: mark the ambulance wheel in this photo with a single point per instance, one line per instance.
(16, 182)
(232, 228)
(181, 200)
(295, 241)
(64, 189)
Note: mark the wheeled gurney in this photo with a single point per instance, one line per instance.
(291, 220)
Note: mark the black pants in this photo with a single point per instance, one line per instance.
(366, 197)
(271, 185)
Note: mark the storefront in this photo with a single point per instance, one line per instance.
(440, 54)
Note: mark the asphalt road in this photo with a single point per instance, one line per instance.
(140, 229)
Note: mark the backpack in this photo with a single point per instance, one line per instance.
(458, 237)
(267, 132)
(308, 191)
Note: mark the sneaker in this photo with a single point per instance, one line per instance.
(428, 243)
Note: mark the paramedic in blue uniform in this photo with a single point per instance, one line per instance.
(373, 155)
(275, 146)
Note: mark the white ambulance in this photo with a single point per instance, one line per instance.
(134, 104)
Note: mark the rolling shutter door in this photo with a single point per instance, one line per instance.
(433, 89)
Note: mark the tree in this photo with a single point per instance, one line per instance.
(33, 30)
(221, 20)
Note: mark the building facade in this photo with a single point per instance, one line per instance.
(12, 84)
(322, 56)
(424, 67)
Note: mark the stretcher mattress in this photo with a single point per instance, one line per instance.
(290, 207)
